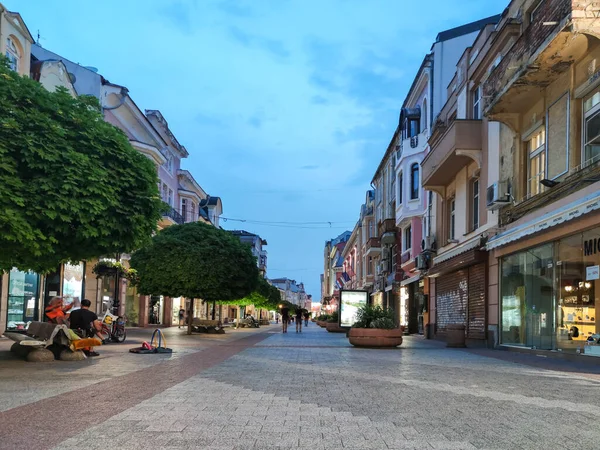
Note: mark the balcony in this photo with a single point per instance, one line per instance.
(545, 50)
(459, 144)
(373, 247)
(387, 231)
(411, 146)
(171, 217)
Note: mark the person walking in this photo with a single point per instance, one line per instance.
(285, 318)
(299, 320)
(306, 316)
(181, 317)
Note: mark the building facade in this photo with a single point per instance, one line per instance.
(257, 245)
(461, 163)
(544, 86)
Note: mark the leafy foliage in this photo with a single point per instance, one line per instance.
(108, 267)
(71, 185)
(373, 317)
(323, 317)
(333, 317)
(196, 260)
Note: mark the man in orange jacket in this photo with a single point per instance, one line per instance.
(57, 311)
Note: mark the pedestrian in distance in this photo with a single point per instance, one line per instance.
(285, 318)
(299, 320)
(181, 317)
(306, 317)
(277, 319)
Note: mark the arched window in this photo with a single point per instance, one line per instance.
(13, 54)
(414, 181)
(424, 114)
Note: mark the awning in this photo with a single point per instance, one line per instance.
(571, 211)
(410, 280)
(459, 249)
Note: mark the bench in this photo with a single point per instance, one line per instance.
(34, 342)
(207, 326)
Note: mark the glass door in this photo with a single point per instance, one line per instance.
(539, 287)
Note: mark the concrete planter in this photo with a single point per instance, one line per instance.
(321, 323)
(334, 328)
(375, 337)
(455, 335)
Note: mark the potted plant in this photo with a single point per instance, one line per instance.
(322, 320)
(376, 328)
(333, 325)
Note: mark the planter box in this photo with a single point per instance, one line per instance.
(321, 323)
(334, 328)
(375, 337)
(455, 336)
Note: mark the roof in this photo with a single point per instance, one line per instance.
(18, 18)
(466, 28)
(187, 174)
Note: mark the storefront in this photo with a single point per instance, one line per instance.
(459, 279)
(68, 282)
(550, 294)
(412, 304)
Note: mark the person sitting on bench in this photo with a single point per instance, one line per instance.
(86, 324)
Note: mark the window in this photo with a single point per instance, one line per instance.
(394, 255)
(424, 114)
(13, 54)
(184, 209)
(165, 193)
(591, 149)
(414, 181)
(369, 265)
(400, 184)
(371, 229)
(407, 238)
(170, 199)
(452, 219)
(477, 103)
(193, 211)
(475, 204)
(536, 151)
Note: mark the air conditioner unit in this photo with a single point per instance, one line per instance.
(429, 244)
(421, 262)
(497, 195)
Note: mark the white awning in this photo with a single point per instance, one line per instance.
(459, 249)
(410, 280)
(571, 211)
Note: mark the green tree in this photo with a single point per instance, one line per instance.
(196, 260)
(71, 185)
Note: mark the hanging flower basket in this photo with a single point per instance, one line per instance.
(109, 268)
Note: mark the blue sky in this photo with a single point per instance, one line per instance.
(286, 106)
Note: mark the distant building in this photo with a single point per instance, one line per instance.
(256, 244)
(290, 290)
(333, 263)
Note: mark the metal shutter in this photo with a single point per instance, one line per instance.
(476, 313)
(451, 299)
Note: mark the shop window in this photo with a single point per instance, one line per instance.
(414, 181)
(536, 167)
(474, 204)
(13, 54)
(22, 306)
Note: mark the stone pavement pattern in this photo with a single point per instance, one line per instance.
(312, 390)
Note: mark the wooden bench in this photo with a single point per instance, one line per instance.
(207, 326)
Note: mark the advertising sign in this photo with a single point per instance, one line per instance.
(592, 273)
(350, 301)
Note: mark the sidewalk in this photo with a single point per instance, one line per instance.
(263, 389)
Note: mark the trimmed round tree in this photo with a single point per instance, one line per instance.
(196, 260)
(72, 187)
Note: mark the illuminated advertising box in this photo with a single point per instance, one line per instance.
(350, 301)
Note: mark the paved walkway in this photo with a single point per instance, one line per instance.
(262, 389)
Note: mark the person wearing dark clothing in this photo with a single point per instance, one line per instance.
(85, 322)
(181, 317)
(306, 316)
(298, 320)
(285, 318)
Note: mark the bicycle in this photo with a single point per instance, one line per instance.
(113, 327)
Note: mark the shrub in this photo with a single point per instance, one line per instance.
(374, 317)
(333, 318)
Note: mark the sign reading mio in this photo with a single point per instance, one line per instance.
(591, 247)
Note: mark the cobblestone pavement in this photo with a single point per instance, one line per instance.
(263, 389)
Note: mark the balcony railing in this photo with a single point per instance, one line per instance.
(174, 215)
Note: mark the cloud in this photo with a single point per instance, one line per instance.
(273, 46)
(310, 167)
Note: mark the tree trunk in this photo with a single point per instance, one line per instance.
(214, 306)
(189, 315)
